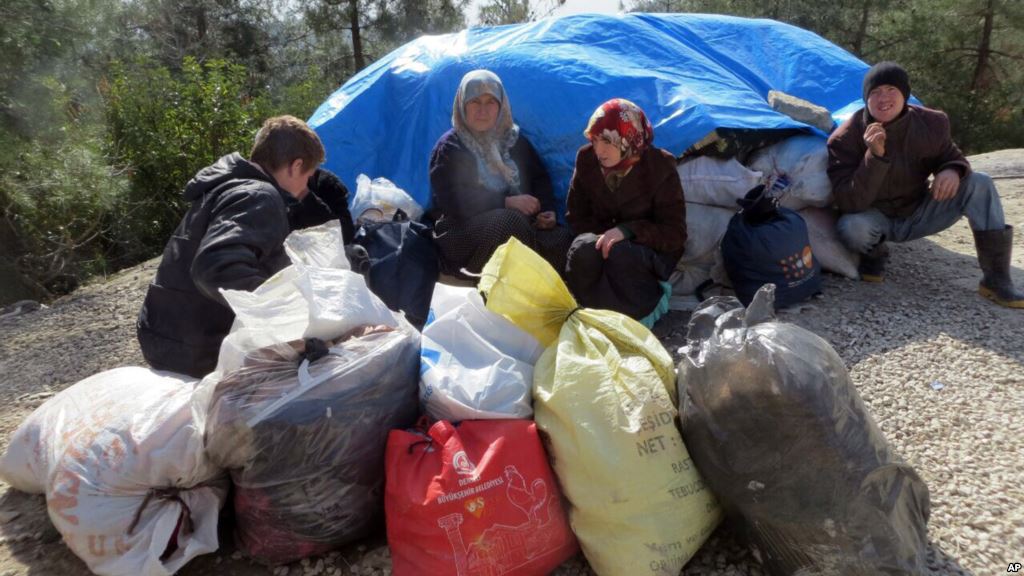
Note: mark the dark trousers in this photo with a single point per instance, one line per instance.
(470, 244)
(627, 282)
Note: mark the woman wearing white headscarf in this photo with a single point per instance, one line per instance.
(488, 184)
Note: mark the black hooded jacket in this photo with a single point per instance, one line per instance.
(231, 237)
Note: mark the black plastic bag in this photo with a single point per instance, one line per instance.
(303, 434)
(781, 436)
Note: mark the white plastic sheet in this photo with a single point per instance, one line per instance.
(476, 365)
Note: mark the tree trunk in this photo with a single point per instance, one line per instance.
(201, 23)
(982, 71)
(359, 60)
(862, 30)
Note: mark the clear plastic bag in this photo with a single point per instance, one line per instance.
(304, 438)
(783, 439)
(477, 365)
(318, 296)
(378, 200)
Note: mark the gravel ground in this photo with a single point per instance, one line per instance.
(923, 327)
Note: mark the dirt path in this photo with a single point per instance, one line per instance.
(924, 325)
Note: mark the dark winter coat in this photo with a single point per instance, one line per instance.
(648, 206)
(917, 145)
(455, 188)
(231, 237)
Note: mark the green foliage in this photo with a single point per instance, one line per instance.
(963, 56)
(58, 202)
(380, 26)
(395, 22)
(163, 128)
(971, 70)
(302, 96)
(33, 40)
(500, 12)
(170, 31)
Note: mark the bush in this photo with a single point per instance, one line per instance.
(163, 128)
(302, 96)
(58, 202)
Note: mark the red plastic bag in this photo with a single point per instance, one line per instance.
(477, 499)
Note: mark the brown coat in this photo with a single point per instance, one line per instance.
(649, 202)
(917, 145)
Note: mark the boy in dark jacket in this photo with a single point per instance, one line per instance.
(232, 237)
(879, 163)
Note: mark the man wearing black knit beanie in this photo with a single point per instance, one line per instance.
(880, 160)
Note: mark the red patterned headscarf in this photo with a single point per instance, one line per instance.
(625, 125)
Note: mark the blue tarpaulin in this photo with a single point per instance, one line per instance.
(690, 73)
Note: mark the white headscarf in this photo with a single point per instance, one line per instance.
(492, 148)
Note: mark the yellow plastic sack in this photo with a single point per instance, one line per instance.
(603, 393)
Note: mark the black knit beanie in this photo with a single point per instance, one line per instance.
(889, 73)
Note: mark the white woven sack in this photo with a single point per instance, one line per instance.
(830, 251)
(716, 182)
(122, 465)
(804, 161)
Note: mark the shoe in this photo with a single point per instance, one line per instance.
(994, 250)
(872, 264)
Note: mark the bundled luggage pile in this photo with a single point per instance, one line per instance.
(794, 174)
(517, 429)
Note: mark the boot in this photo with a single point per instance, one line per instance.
(872, 264)
(994, 248)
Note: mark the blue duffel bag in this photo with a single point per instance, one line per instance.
(768, 244)
(403, 266)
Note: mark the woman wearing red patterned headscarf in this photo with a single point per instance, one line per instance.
(626, 206)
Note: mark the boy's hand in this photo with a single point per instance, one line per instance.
(874, 137)
(945, 184)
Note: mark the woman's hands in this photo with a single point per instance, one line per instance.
(524, 203)
(545, 221)
(605, 241)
